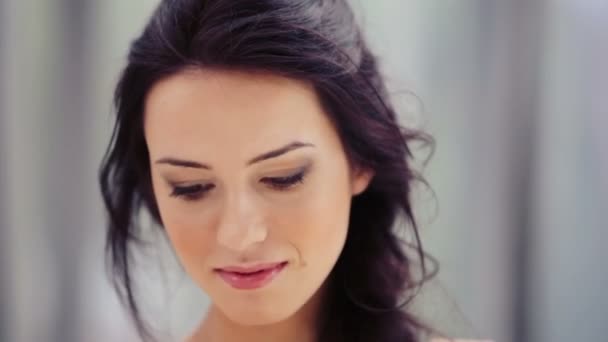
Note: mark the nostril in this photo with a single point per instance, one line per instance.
(239, 237)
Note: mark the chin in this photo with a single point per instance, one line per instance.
(254, 315)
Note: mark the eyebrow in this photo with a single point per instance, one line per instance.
(264, 156)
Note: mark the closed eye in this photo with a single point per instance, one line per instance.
(191, 192)
(284, 183)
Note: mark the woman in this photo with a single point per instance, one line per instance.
(259, 136)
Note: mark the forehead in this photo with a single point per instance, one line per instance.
(206, 109)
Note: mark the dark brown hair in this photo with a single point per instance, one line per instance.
(316, 41)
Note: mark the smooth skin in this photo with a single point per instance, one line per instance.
(247, 168)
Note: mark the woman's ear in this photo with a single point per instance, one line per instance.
(361, 177)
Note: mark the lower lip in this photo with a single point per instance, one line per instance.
(243, 281)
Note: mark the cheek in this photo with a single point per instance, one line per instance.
(189, 235)
(318, 223)
(189, 242)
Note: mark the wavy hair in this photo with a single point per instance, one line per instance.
(317, 41)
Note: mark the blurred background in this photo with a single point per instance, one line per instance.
(513, 91)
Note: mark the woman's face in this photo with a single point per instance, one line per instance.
(253, 187)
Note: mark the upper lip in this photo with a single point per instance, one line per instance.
(250, 268)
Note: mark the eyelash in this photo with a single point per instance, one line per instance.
(285, 183)
(191, 192)
(197, 191)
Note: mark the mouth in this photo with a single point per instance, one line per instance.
(252, 277)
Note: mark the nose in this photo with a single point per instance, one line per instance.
(240, 224)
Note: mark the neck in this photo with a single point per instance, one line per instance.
(303, 326)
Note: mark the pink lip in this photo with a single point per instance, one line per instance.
(252, 277)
